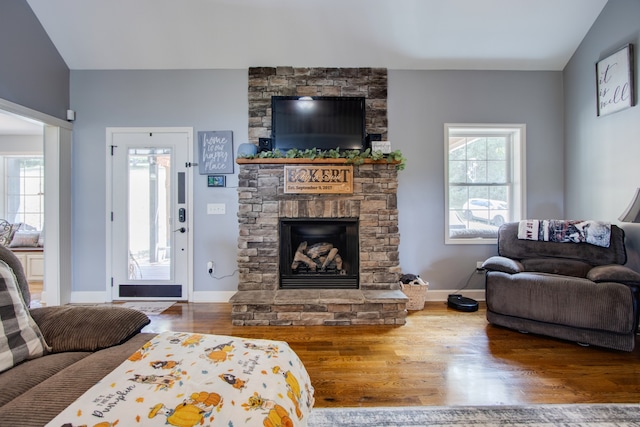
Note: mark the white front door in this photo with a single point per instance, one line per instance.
(150, 218)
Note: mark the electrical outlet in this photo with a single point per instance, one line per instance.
(211, 267)
(479, 265)
(216, 208)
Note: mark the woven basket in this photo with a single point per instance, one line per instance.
(416, 294)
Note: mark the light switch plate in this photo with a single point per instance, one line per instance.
(216, 208)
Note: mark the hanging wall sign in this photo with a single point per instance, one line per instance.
(215, 152)
(312, 179)
(615, 81)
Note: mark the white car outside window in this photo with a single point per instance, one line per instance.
(494, 212)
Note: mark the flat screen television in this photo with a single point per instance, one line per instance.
(322, 122)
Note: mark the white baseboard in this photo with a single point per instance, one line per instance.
(89, 297)
(198, 296)
(442, 295)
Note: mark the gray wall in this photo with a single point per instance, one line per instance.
(602, 153)
(204, 100)
(592, 176)
(420, 102)
(32, 72)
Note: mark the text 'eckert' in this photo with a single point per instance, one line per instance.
(318, 179)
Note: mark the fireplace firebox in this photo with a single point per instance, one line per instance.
(319, 253)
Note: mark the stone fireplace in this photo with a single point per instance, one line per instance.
(364, 289)
(361, 228)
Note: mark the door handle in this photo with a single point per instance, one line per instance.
(181, 229)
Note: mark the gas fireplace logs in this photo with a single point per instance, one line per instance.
(320, 256)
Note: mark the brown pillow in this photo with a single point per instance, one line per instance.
(79, 328)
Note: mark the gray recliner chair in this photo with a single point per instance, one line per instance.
(572, 291)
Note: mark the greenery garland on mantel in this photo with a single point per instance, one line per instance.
(355, 157)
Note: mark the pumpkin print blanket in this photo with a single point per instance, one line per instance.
(186, 379)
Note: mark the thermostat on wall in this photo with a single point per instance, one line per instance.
(383, 146)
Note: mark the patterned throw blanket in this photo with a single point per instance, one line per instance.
(566, 231)
(188, 380)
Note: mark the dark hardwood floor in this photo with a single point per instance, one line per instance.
(440, 357)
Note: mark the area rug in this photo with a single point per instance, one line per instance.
(620, 415)
(149, 307)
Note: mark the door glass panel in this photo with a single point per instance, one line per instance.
(150, 234)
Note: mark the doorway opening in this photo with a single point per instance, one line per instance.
(54, 144)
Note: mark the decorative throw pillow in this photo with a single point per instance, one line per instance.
(79, 328)
(7, 231)
(25, 239)
(20, 337)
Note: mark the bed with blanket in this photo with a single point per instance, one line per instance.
(92, 366)
(187, 379)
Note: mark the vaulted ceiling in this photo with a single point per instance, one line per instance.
(237, 34)
(396, 34)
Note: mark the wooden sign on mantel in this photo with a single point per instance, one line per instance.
(318, 179)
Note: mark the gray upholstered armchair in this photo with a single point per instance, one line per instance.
(573, 291)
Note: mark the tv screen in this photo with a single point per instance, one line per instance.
(322, 122)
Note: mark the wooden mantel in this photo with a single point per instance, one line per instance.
(304, 161)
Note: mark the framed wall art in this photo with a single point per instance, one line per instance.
(215, 151)
(614, 81)
(216, 181)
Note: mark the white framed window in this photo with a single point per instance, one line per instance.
(23, 190)
(484, 180)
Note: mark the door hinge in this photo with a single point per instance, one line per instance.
(112, 282)
(111, 216)
(112, 148)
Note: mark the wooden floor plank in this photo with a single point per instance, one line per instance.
(440, 357)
